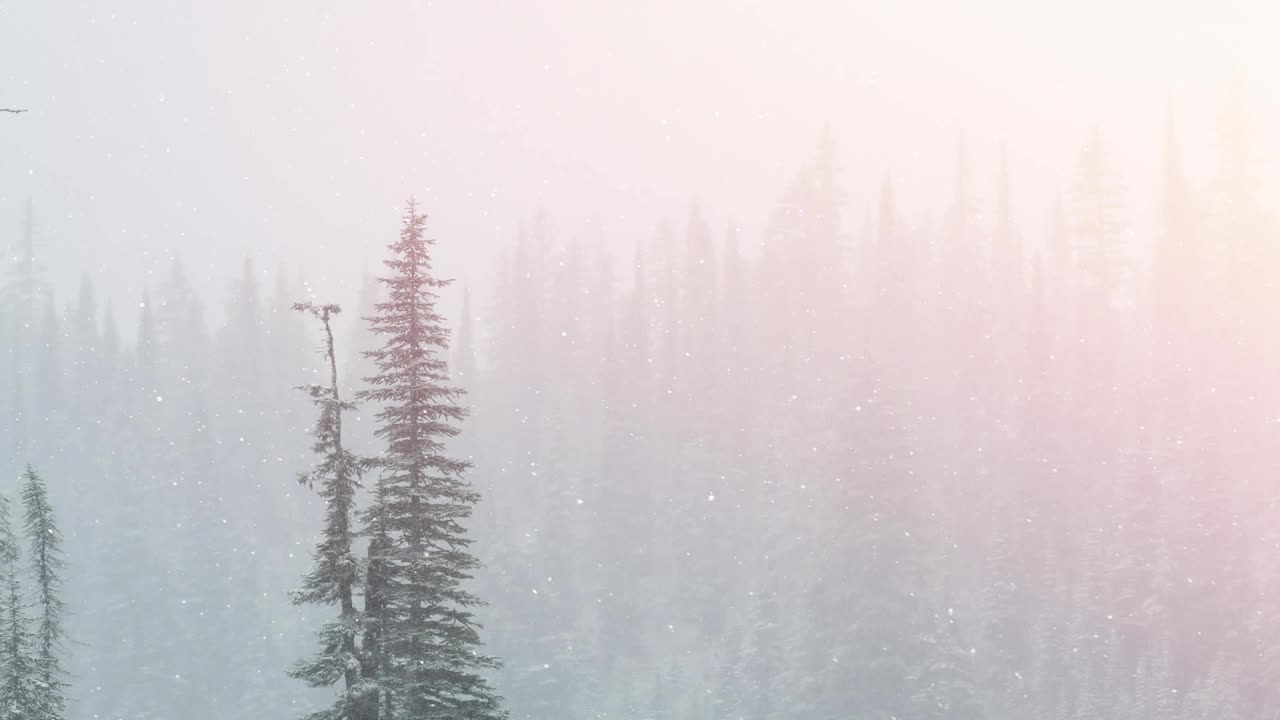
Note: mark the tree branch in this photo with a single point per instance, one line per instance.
(15, 111)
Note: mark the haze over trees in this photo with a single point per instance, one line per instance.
(869, 464)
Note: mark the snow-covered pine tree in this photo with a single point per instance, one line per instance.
(46, 569)
(427, 641)
(17, 663)
(334, 578)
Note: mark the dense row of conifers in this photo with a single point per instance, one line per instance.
(865, 467)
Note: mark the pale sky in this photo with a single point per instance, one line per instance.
(292, 131)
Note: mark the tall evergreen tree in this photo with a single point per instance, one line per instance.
(23, 287)
(335, 576)
(1006, 246)
(427, 640)
(146, 346)
(85, 350)
(1102, 262)
(46, 569)
(110, 343)
(48, 358)
(18, 666)
(1098, 223)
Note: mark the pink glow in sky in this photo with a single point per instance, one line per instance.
(312, 120)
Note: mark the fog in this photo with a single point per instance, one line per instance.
(290, 131)
(820, 359)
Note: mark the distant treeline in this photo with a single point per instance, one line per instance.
(879, 468)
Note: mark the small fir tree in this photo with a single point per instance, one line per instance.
(46, 569)
(18, 666)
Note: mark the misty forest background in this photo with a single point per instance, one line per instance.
(867, 465)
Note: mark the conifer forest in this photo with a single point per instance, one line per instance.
(703, 360)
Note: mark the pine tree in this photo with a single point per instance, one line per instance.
(243, 342)
(18, 666)
(285, 356)
(1006, 246)
(1104, 289)
(335, 576)
(86, 353)
(46, 568)
(1175, 277)
(200, 560)
(48, 360)
(110, 345)
(426, 635)
(23, 285)
(1098, 223)
(146, 347)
